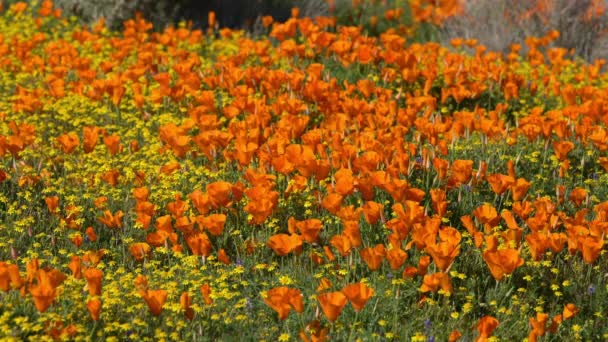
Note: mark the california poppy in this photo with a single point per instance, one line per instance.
(502, 262)
(373, 256)
(283, 244)
(282, 299)
(140, 250)
(486, 326)
(94, 308)
(43, 292)
(570, 310)
(310, 229)
(93, 277)
(519, 189)
(332, 304)
(68, 142)
(185, 301)
(358, 294)
(199, 244)
(578, 195)
(434, 282)
(206, 292)
(396, 257)
(462, 170)
(155, 300)
(562, 148)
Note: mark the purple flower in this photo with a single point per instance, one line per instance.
(591, 289)
(427, 325)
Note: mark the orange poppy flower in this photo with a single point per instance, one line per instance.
(441, 167)
(112, 143)
(112, 221)
(578, 195)
(93, 277)
(423, 264)
(358, 294)
(439, 201)
(432, 283)
(486, 214)
(317, 333)
(9, 277)
(562, 148)
(332, 202)
(444, 252)
(373, 256)
(52, 203)
(223, 257)
(92, 258)
(155, 299)
(556, 321)
(282, 299)
(372, 212)
(591, 248)
(352, 232)
(214, 223)
(206, 293)
(570, 310)
(332, 304)
(539, 324)
(219, 194)
(455, 335)
(519, 189)
(283, 244)
(201, 201)
(486, 326)
(140, 250)
(310, 229)
(502, 262)
(345, 182)
(199, 244)
(90, 138)
(462, 171)
(68, 142)
(499, 182)
(341, 243)
(396, 257)
(94, 308)
(324, 284)
(537, 242)
(261, 203)
(43, 292)
(185, 302)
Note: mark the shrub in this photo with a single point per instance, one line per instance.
(498, 24)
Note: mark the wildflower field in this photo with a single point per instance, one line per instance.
(317, 182)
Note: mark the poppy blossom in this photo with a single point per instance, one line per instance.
(502, 262)
(332, 304)
(570, 310)
(373, 256)
(93, 277)
(486, 326)
(206, 293)
(94, 308)
(185, 302)
(358, 294)
(434, 282)
(140, 250)
(283, 299)
(155, 299)
(283, 244)
(43, 292)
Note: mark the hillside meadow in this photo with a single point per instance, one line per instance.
(316, 182)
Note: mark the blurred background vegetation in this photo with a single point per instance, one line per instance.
(497, 24)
